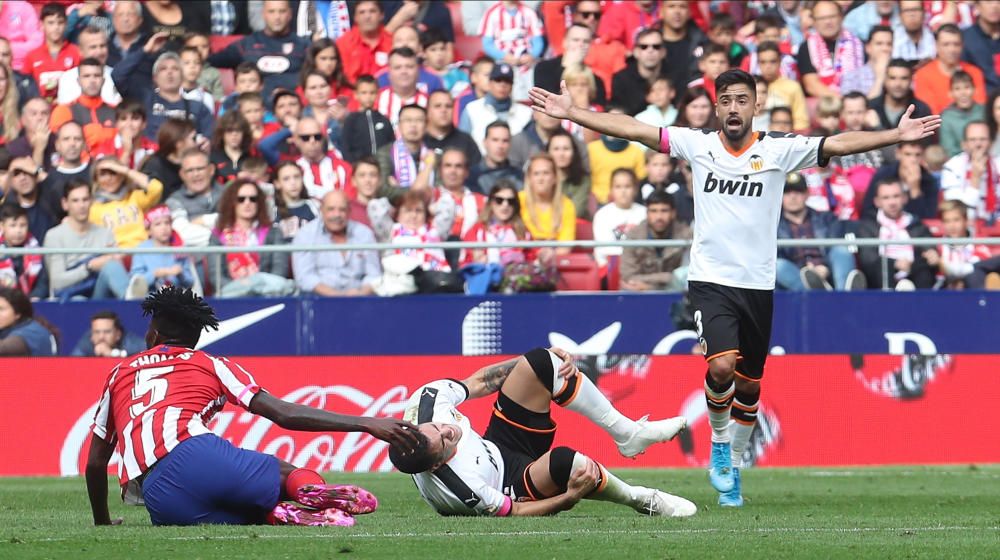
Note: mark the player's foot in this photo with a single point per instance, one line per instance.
(647, 433)
(733, 498)
(290, 514)
(352, 499)
(657, 502)
(720, 472)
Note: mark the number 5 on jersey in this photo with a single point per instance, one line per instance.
(147, 381)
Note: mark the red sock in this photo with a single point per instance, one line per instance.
(299, 478)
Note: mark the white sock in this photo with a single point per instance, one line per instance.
(741, 430)
(719, 418)
(591, 402)
(611, 488)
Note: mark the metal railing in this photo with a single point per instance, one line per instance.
(851, 243)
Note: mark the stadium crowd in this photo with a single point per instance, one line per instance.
(242, 124)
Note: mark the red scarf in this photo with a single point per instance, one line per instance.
(31, 267)
(241, 265)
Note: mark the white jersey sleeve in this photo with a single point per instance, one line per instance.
(681, 142)
(795, 151)
(428, 402)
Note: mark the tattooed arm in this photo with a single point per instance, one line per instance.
(489, 379)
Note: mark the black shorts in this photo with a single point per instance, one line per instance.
(522, 437)
(733, 321)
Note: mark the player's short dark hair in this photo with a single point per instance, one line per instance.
(12, 212)
(769, 46)
(948, 28)
(130, 107)
(108, 314)
(179, 315)
(52, 9)
(878, 29)
(961, 77)
(660, 196)
(405, 52)
(420, 460)
(734, 77)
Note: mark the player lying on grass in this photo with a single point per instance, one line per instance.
(155, 407)
(511, 470)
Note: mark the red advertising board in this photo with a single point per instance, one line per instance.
(815, 410)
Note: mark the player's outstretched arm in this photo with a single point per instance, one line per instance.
(560, 106)
(581, 483)
(294, 416)
(97, 479)
(862, 141)
(488, 380)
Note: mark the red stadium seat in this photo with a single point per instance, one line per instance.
(614, 273)
(456, 18)
(578, 273)
(935, 226)
(218, 42)
(584, 232)
(468, 48)
(228, 79)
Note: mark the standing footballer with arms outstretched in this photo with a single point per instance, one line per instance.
(738, 176)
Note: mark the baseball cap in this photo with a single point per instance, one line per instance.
(502, 71)
(795, 182)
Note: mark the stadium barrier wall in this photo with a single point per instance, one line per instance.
(804, 323)
(815, 410)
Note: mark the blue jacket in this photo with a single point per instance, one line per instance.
(279, 59)
(825, 226)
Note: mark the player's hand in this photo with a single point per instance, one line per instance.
(156, 42)
(583, 481)
(916, 129)
(568, 368)
(397, 433)
(558, 105)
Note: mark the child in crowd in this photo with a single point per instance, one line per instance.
(366, 130)
(251, 107)
(612, 222)
(957, 261)
(25, 272)
(712, 62)
(152, 271)
(438, 59)
(480, 83)
(722, 32)
(247, 79)
(661, 111)
(761, 114)
(828, 116)
(130, 145)
(191, 67)
(413, 227)
(961, 112)
(56, 55)
(210, 78)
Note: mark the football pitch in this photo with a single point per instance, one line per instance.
(897, 512)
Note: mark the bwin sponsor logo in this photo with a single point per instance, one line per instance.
(739, 188)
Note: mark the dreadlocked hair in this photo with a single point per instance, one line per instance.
(179, 314)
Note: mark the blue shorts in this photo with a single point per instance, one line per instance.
(206, 479)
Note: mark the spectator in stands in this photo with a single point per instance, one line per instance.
(433, 14)
(862, 20)
(277, 52)
(960, 113)
(294, 207)
(979, 45)
(959, 261)
(402, 89)
(365, 130)
(722, 32)
(790, 13)
(920, 186)
(535, 137)
(696, 110)
(513, 34)
(660, 111)
(613, 221)
(828, 52)
(630, 85)
(608, 154)
(287, 105)
(89, 109)
(126, 23)
(83, 275)
(23, 84)
(499, 222)
(663, 173)
(573, 180)
(335, 273)
(368, 207)
(244, 222)
(913, 40)
(897, 95)
(767, 28)
(761, 116)
(781, 91)
(479, 78)
(23, 272)
(495, 164)
(71, 167)
(107, 338)
(20, 29)
(9, 115)
(681, 37)
(191, 66)
(21, 332)
(621, 20)
(160, 269)
(23, 191)
(93, 46)
(546, 211)
(35, 139)
(812, 268)
(176, 137)
(496, 105)
(606, 56)
(850, 175)
(933, 80)
(413, 227)
(653, 268)
(576, 46)
(55, 56)
(828, 111)
(230, 18)
(582, 87)
(870, 78)
(327, 112)
(711, 64)
(408, 37)
(121, 198)
(210, 78)
(453, 173)
(368, 42)
(322, 168)
(163, 98)
(247, 79)
(973, 176)
(231, 146)
(324, 57)
(176, 19)
(407, 163)
(195, 207)
(780, 120)
(908, 266)
(441, 132)
(439, 60)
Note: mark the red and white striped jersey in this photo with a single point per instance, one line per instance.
(329, 174)
(389, 103)
(113, 147)
(163, 396)
(511, 32)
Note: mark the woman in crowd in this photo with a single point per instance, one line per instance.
(546, 211)
(499, 222)
(573, 179)
(582, 87)
(413, 227)
(174, 137)
(327, 111)
(244, 222)
(121, 198)
(323, 56)
(993, 121)
(294, 207)
(696, 110)
(10, 122)
(231, 145)
(21, 333)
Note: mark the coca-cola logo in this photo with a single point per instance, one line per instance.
(321, 451)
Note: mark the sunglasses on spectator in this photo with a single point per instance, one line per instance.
(586, 15)
(251, 198)
(646, 46)
(313, 137)
(501, 200)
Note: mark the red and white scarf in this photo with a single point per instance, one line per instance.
(404, 166)
(389, 104)
(330, 174)
(895, 230)
(497, 232)
(430, 259)
(241, 265)
(31, 267)
(988, 186)
(848, 55)
(468, 205)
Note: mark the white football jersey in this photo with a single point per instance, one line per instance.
(471, 482)
(737, 200)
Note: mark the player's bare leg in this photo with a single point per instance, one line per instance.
(548, 476)
(719, 391)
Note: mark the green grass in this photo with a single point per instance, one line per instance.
(908, 512)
